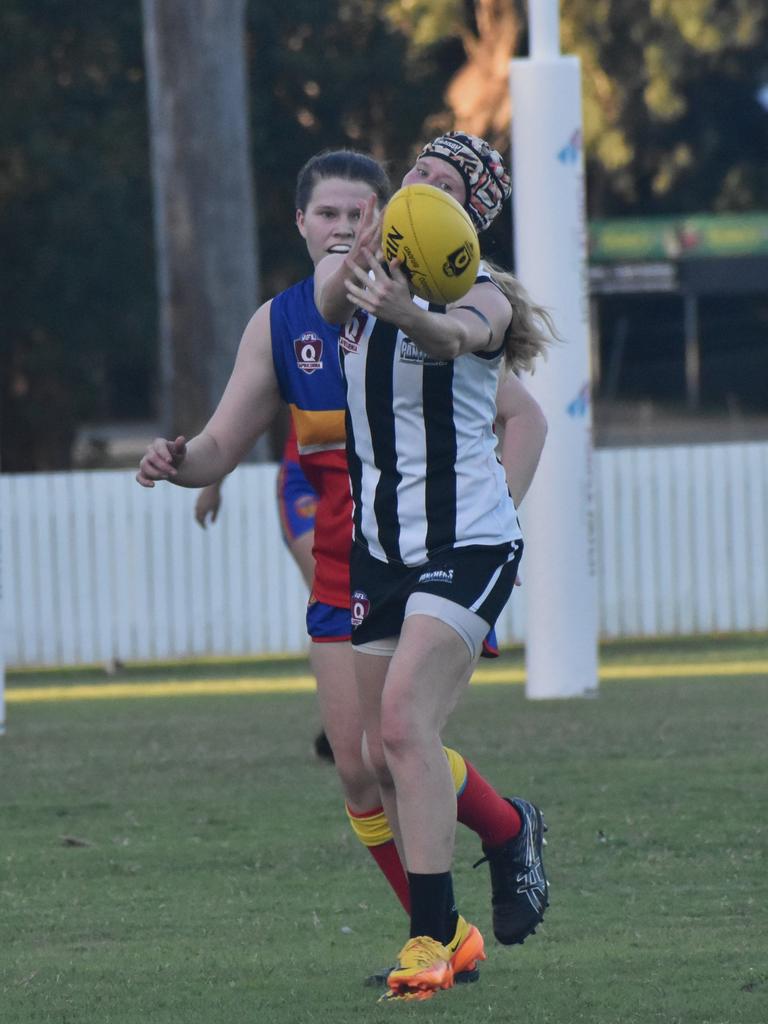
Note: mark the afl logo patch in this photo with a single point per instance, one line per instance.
(359, 608)
(309, 352)
(352, 331)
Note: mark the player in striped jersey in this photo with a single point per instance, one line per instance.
(437, 540)
(289, 353)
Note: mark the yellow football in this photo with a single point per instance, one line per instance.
(435, 239)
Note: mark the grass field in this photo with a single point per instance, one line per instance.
(186, 859)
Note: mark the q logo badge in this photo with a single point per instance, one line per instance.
(359, 608)
(309, 352)
(456, 262)
(352, 331)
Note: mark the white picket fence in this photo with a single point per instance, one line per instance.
(96, 568)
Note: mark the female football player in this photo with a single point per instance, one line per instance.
(437, 541)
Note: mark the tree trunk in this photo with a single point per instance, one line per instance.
(205, 234)
(478, 94)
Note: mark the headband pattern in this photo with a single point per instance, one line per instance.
(482, 168)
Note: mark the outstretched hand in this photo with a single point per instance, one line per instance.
(385, 293)
(367, 236)
(161, 460)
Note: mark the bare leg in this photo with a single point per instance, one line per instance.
(429, 672)
(371, 673)
(405, 703)
(333, 667)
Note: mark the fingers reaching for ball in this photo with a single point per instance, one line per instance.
(367, 235)
(397, 273)
(369, 230)
(381, 290)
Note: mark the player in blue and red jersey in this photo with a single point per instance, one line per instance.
(306, 362)
(289, 353)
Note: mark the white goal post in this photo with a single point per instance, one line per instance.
(550, 259)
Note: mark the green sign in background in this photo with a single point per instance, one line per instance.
(672, 238)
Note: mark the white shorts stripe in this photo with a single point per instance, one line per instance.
(493, 580)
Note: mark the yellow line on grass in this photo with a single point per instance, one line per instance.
(663, 670)
(303, 683)
(191, 688)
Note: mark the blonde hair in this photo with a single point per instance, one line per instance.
(531, 330)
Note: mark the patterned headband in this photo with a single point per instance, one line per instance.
(482, 169)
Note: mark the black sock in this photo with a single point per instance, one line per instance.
(433, 910)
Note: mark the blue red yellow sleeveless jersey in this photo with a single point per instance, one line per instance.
(305, 353)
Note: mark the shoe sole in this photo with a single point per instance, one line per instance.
(408, 995)
(467, 976)
(422, 986)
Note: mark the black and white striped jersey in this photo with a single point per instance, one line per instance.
(421, 447)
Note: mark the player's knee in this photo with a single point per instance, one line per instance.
(401, 733)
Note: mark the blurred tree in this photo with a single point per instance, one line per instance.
(78, 334)
(672, 118)
(324, 76)
(203, 200)
(673, 122)
(477, 93)
(75, 225)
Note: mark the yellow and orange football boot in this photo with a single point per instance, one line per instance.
(423, 968)
(466, 948)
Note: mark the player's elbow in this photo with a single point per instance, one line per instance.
(453, 348)
(444, 348)
(457, 341)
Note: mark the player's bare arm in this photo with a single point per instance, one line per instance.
(475, 323)
(246, 409)
(523, 429)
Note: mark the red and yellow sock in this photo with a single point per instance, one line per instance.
(373, 831)
(479, 806)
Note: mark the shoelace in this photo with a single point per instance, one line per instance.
(421, 952)
(485, 859)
